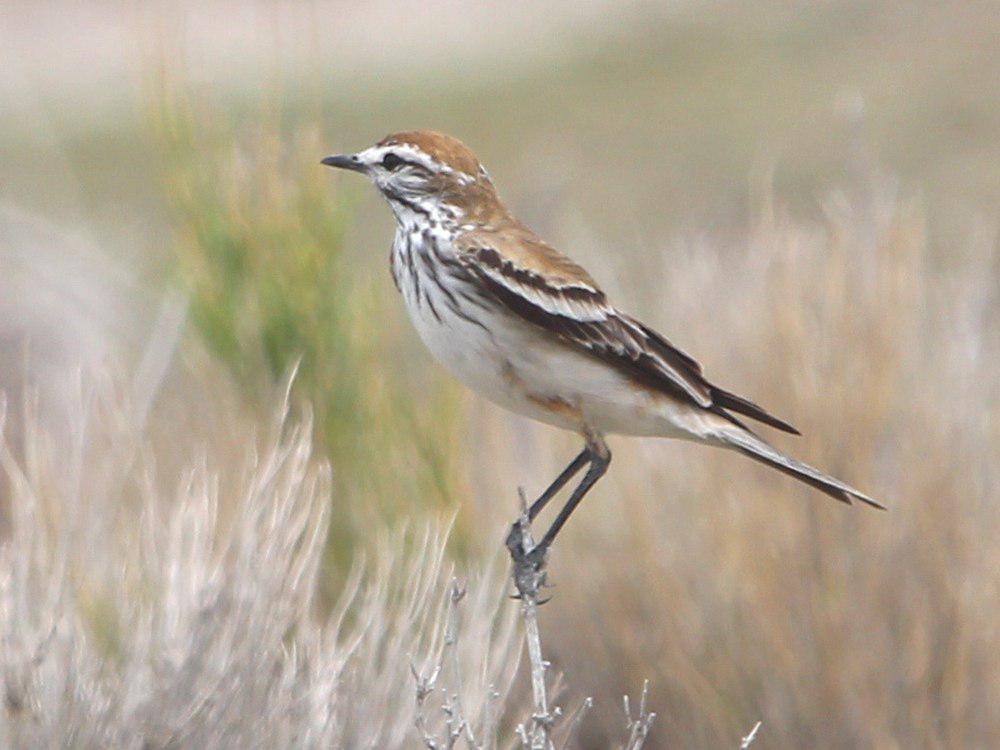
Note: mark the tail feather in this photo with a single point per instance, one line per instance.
(750, 445)
(748, 408)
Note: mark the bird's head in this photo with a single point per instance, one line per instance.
(422, 172)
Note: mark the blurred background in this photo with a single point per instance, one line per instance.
(803, 196)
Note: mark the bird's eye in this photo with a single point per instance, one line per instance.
(391, 162)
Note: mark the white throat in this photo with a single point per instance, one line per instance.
(423, 211)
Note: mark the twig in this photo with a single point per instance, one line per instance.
(638, 727)
(748, 740)
(425, 686)
(529, 577)
(455, 723)
(456, 594)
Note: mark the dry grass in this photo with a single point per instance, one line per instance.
(865, 313)
(742, 595)
(133, 618)
(739, 594)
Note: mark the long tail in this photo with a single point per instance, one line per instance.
(745, 406)
(750, 445)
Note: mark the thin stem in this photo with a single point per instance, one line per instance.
(748, 740)
(529, 577)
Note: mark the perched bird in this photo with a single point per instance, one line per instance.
(522, 324)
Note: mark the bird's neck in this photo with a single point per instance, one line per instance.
(416, 213)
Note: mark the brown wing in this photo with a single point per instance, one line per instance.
(548, 289)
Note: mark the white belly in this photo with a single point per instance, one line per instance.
(521, 368)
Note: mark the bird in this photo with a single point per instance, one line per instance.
(530, 329)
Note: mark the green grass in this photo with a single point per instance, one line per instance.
(274, 287)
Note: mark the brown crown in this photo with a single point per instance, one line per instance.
(438, 146)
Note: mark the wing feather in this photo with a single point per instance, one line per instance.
(579, 312)
(545, 287)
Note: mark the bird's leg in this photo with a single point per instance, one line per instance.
(528, 571)
(560, 481)
(514, 538)
(600, 459)
(533, 555)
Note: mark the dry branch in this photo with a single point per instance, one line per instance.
(529, 577)
(638, 726)
(528, 572)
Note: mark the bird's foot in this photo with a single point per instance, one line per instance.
(529, 560)
(523, 551)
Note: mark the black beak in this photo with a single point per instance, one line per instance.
(344, 162)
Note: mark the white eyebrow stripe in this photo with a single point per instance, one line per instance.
(413, 154)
